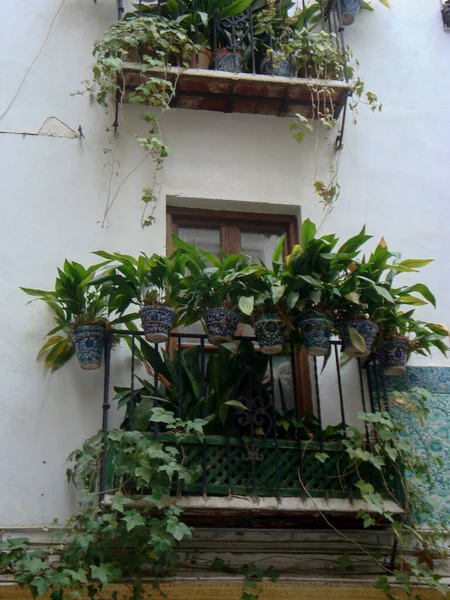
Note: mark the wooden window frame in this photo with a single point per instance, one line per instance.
(230, 224)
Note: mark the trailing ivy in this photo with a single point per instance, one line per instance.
(156, 43)
(127, 534)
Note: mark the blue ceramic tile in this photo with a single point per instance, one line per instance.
(430, 440)
(439, 378)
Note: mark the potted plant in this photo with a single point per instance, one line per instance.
(312, 273)
(81, 310)
(264, 302)
(152, 283)
(350, 8)
(400, 333)
(315, 54)
(363, 294)
(215, 290)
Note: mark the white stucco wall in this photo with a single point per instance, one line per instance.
(393, 178)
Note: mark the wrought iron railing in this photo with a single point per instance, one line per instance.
(241, 35)
(259, 446)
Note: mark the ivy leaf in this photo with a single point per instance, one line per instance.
(391, 452)
(160, 415)
(106, 573)
(322, 456)
(345, 562)
(41, 584)
(178, 529)
(133, 520)
(119, 501)
(17, 543)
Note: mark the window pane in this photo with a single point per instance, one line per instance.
(259, 245)
(207, 238)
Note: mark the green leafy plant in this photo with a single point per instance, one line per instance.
(193, 389)
(212, 282)
(75, 301)
(116, 539)
(142, 281)
(156, 43)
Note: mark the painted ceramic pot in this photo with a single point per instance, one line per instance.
(269, 333)
(394, 356)
(277, 64)
(227, 61)
(349, 10)
(89, 344)
(202, 60)
(157, 322)
(316, 333)
(366, 329)
(220, 324)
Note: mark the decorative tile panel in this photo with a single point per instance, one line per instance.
(432, 439)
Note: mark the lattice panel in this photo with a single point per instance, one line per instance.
(237, 467)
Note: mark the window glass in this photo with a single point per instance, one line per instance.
(260, 246)
(207, 238)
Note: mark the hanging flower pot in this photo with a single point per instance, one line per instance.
(316, 333)
(89, 344)
(220, 324)
(202, 60)
(226, 60)
(276, 64)
(349, 10)
(269, 333)
(394, 356)
(366, 330)
(157, 322)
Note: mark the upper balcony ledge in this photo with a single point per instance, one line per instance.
(221, 91)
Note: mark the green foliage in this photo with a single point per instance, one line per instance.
(211, 282)
(225, 378)
(76, 300)
(154, 42)
(114, 540)
(143, 280)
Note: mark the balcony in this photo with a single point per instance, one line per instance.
(262, 459)
(251, 67)
(201, 89)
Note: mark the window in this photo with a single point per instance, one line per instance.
(257, 236)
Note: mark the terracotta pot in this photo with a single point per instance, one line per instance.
(202, 60)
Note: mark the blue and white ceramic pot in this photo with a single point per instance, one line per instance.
(277, 64)
(225, 60)
(366, 329)
(269, 333)
(157, 322)
(394, 356)
(316, 333)
(220, 324)
(89, 343)
(349, 10)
